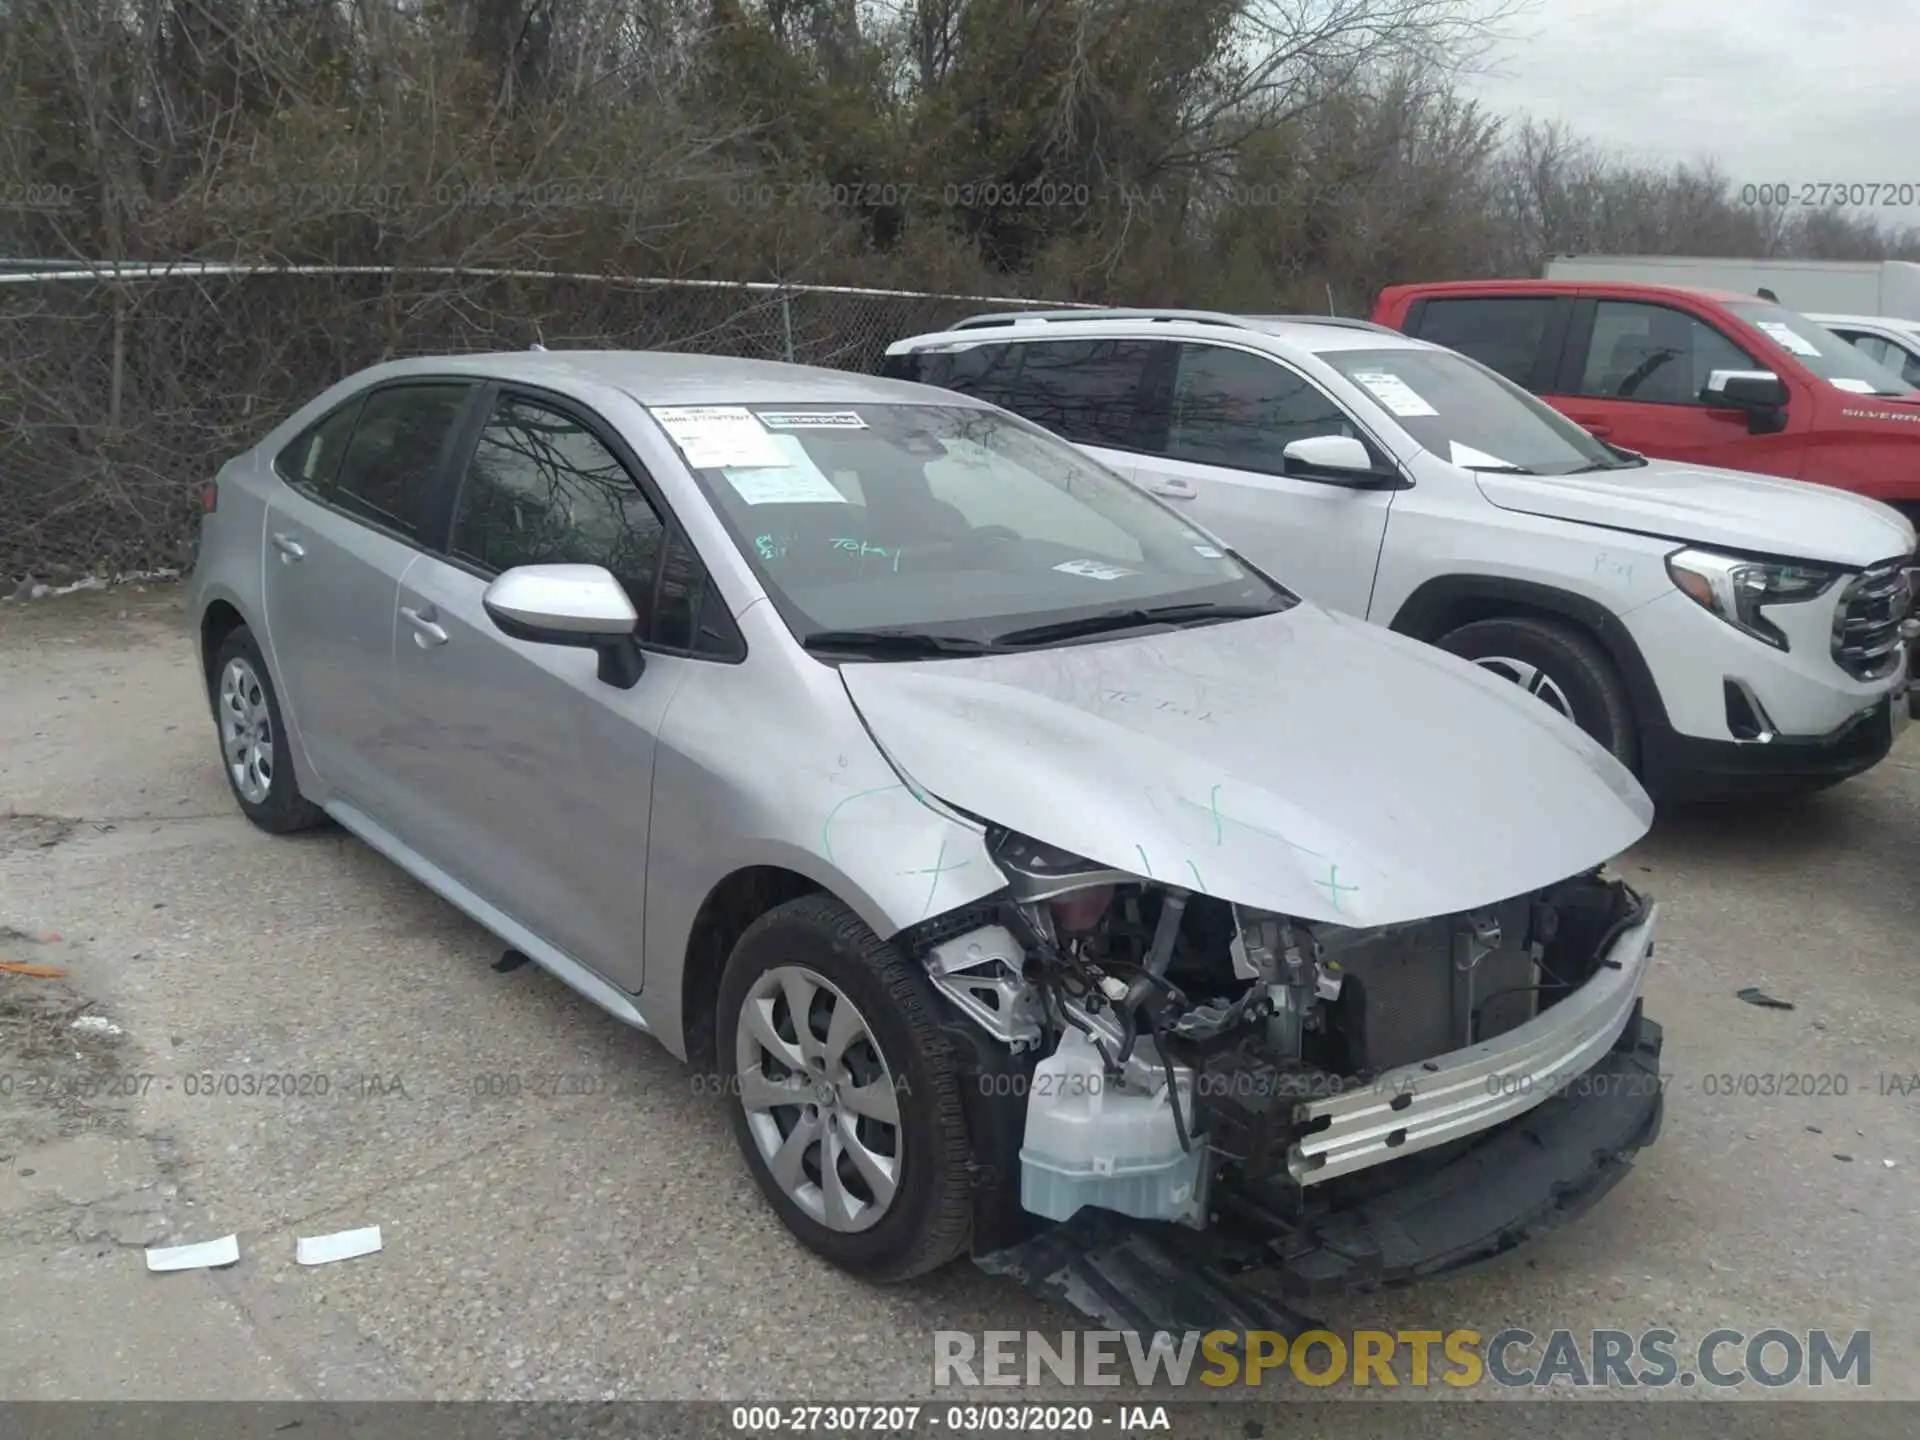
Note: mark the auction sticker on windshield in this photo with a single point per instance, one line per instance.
(1393, 392)
(1848, 383)
(714, 436)
(1093, 570)
(792, 479)
(811, 420)
(1788, 338)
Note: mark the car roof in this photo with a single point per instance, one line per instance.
(1311, 334)
(1885, 322)
(1565, 287)
(671, 377)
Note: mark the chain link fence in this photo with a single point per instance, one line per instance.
(121, 389)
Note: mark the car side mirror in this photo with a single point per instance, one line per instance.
(1337, 459)
(576, 605)
(1761, 394)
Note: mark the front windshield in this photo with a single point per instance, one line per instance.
(1824, 353)
(945, 519)
(1471, 417)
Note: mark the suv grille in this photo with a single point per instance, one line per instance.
(1866, 627)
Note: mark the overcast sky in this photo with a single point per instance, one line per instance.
(1782, 91)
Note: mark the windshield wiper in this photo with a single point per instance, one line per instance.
(901, 642)
(1132, 619)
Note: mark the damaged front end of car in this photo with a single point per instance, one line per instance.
(1189, 1112)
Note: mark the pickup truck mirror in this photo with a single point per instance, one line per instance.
(1338, 459)
(1761, 394)
(1745, 389)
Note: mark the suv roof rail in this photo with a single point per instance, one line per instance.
(1341, 321)
(1013, 317)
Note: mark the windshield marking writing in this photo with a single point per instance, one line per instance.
(713, 437)
(1128, 697)
(1333, 887)
(1200, 884)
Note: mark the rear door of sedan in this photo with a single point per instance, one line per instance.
(341, 529)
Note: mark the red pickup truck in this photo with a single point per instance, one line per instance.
(1692, 375)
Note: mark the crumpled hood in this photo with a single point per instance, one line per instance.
(1705, 506)
(1305, 763)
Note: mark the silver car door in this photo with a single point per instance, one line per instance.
(528, 778)
(342, 526)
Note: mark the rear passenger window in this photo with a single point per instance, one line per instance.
(1505, 334)
(394, 454)
(1240, 410)
(1088, 391)
(542, 489)
(311, 459)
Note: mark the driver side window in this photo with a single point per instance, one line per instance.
(1654, 354)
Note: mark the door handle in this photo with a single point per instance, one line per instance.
(425, 631)
(290, 549)
(1174, 489)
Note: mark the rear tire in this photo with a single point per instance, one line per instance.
(1558, 665)
(857, 1137)
(255, 753)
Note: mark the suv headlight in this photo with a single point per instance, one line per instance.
(1738, 589)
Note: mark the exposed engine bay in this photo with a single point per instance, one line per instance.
(1168, 1043)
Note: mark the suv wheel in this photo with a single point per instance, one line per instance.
(1559, 666)
(254, 751)
(845, 1095)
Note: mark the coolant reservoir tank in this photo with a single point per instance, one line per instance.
(1090, 1143)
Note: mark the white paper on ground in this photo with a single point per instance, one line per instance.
(206, 1255)
(714, 436)
(1467, 456)
(1847, 382)
(793, 480)
(344, 1245)
(1788, 338)
(1393, 392)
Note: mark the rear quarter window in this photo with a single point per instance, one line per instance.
(1507, 334)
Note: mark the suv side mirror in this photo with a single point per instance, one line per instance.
(1761, 393)
(576, 605)
(1337, 459)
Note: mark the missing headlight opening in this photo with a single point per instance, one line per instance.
(1186, 1057)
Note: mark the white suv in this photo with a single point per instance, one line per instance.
(1720, 632)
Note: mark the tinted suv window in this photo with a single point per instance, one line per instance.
(1241, 410)
(542, 489)
(395, 450)
(985, 372)
(313, 456)
(1654, 353)
(1505, 334)
(1085, 390)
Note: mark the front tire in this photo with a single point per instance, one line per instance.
(254, 750)
(845, 1094)
(1558, 665)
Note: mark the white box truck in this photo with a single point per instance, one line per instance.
(1840, 287)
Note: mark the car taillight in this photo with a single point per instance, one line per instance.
(210, 496)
